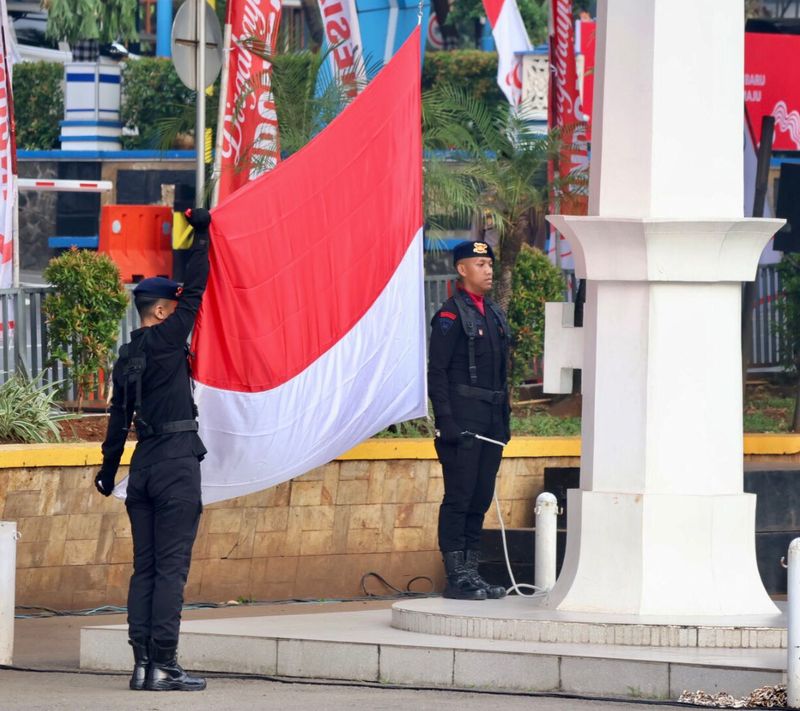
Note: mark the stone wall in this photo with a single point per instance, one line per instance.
(37, 216)
(312, 537)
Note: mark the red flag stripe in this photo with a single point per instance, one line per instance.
(492, 8)
(297, 255)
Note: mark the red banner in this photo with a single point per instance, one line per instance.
(771, 86)
(565, 114)
(249, 143)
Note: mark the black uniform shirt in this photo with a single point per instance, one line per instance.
(166, 383)
(448, 364)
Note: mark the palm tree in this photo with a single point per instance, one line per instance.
(90, 22)
(491, 167)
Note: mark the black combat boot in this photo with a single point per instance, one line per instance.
(167, 675)
(141, 663)
(459, 583)
(493, 592)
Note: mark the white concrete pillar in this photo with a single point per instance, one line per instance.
(8, 568)
(660, 525)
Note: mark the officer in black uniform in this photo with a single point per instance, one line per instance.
(467, 373)
(152, 388)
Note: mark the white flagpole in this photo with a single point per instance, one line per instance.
(223, 96)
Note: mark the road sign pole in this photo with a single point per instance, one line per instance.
(200, 128)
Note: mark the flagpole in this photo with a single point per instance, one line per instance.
(14, 232)
(200, 123)
(223, 97)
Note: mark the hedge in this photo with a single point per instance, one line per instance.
(38, 104)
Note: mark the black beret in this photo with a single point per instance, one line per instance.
(466, 250)
(159, 287)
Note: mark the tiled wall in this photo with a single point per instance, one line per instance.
(312, 537)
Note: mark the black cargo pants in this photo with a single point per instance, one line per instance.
(469, 470)
(164, 507)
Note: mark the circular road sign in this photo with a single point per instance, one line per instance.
(185, 45)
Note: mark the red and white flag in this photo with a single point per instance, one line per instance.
(511, 37)
(311, 336)
(248, 144)
(7, 155)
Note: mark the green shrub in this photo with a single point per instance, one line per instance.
(28, 410)
(38, 104)
(535, 281)
(152, 92)
(789, 311)
(83, 313)
(470, 70)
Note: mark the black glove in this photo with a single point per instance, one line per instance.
(104, 482)
(199, 218)
(448, 431)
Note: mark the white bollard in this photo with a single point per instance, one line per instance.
(793, 624)
(8, 569)
(544, 562)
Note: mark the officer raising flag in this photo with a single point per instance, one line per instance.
(152, 389)
(467, 384)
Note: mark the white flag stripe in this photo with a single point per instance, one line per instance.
(366, 382)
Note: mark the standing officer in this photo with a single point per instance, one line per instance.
(152, 387)
(467, 373)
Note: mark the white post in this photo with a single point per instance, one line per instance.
(793, 645)
(544, 561)
(200, 127)
(664, 251)
(8, 568)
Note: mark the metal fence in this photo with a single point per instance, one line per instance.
(24, 341)
(767, 337)
(23, 331)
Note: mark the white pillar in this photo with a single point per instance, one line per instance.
(8, 568)
(793, 642)
(660, 525)
(544, 559)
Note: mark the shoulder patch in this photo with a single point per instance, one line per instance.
(446, 320)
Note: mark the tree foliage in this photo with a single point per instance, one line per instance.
(38, 104)
(465, 15)
(152, 94)
(493, 172)
(83, 313)
(789, 311)
(471, 70)
(536, 280)
(103, 20)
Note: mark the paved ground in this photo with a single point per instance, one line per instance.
(76, 692)
(51, 646)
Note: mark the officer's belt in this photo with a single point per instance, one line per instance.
(147, 431)
(494, 397)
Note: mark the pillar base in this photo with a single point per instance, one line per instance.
(660, 554)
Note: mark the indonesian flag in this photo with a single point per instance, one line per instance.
(510, 37)
(311, 336)
(7, 155)
(247, 144)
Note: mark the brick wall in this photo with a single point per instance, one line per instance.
(312, 537)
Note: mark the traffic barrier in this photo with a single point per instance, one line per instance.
(138, 238)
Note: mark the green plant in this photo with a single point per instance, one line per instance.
(789, 311)
(471, 70)
(499, 175)
(83, 313)
(103, 20)
(152, 94)
(28, 410)
(38, 104)
(535, 281)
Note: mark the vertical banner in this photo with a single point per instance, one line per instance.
(566, 116)
(343, 39)
(7, 155)
(248, 141)
(511, 37)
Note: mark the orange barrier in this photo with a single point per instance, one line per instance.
(138, 238)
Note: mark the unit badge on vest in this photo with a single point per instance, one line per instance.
(446, 320)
